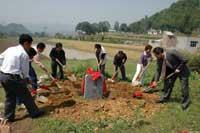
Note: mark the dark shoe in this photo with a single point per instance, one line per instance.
(38, 114)
(10, 120)
(185, 106)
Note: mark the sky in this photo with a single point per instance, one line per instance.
(74, 11)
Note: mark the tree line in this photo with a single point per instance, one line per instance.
(182, 16)
(103, 26)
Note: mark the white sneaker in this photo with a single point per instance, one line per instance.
(111, 80)
(136, 83)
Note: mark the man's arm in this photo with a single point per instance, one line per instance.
(64, 58)
(115, 60)
(2, 57)
(124, 59)
(24, 62)
(36, 60)
(52, 55)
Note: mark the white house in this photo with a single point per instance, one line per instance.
(154, 32)
(170, 41)
(190, 44)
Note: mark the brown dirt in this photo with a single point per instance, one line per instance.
(68, 103)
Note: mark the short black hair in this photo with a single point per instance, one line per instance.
(58, 45)
(97, 46)
(31, 52)
(158, 50)
(25, 38)
(120, 52)
(148, 47)
(41, 45)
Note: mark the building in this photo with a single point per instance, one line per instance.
(170, 41)
(154, 32)
(190, 44)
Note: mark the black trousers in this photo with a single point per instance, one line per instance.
(16, 87)
(122, 69)
(169, 84)
(102, 69)
(54, 66)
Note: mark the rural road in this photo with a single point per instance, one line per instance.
(70, 53)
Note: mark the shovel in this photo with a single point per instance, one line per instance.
(141, 73)
(149, 89)
(63, 66)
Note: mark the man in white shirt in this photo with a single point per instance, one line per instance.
(101, 57)
(14, 77)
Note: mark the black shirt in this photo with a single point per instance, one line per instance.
(120, 59)
(60, 55)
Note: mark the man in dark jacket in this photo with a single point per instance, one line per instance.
(174, 64)
(118, 62)
(57, 56)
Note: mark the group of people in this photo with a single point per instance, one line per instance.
(16, 72)
(170, 66)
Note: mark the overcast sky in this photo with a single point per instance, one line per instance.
(74, 11)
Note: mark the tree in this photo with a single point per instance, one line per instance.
(95, 27)
(116, 26)
(124, 27)
(182, 16)
(104, 26)
(59, 36)
(85, 26)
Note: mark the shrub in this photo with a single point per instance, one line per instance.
(194, 61)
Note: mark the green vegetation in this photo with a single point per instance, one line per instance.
(182, 16)
(194, 62)
(94, 28)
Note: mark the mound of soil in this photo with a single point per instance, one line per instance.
(68, 103)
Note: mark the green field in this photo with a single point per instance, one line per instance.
(171, 120)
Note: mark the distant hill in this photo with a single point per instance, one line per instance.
(51, 29)
(13, 29)
(182, 16)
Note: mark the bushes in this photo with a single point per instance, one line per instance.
(194, 61)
